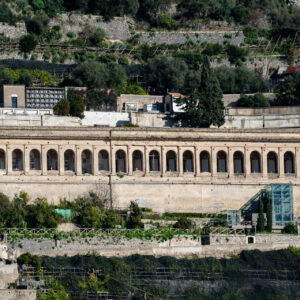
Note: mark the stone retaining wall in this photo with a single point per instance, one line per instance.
(182, 246)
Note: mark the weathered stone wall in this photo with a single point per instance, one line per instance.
(182, 37)
(18, 294)
(151, 119)
(13, 32)
(262, 121)
(180, 246)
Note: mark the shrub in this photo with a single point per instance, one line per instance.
(22, 3)
(28, 43)
(290, 228)
(71, 34)
(62, 108)
(166, 21)
(135, 217)
(29, 260)
(183, 223)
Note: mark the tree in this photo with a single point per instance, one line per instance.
(62, 108)
(135, 217)
(25, 78)
(6, 16)
(261, 218)
(5, 76)
(269, 215)
(165, 73)
(28, 43)
(116, 76)
(77, 105)
(286, 94)
(91, 74)
(205, 106)
(37, 4)
(53, 7)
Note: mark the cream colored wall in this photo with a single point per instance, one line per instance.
(162, 191)
(9, 90)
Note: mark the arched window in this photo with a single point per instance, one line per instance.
(17, 160)
(120, 161)
(255, 162)
(35, 160)
(188, 164)
(103, 160)
(289, 163)
(238, 162)
(154, 161)
(2, 159)
(52, 160)
(86, 162)
(171, 161)
(204, 162)
(137, 161)
(272, 162)
(69, 159)
(221, 162)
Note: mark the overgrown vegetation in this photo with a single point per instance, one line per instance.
(123, 275)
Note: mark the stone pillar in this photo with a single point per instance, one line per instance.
(197, 161)
(180, 161)
(95, 162)
(281, 162)
(163, 161)
(146, 161)
(230, 168)
(213, 161)
(264, 164)
(26, 160)
(112, 161)
(129, 164)
(247, 162)
(297, 162)
(61, 161)
(44, 160)
(78, 161)
(8, 159)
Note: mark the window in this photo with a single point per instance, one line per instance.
(69, 160)
(14, 102)
(35, 160)
(289, 163)
(137, 160)
(86, 162)
(2, 159)
(221, 162)
(103, 160)
(171, 161)
(204, 162)
(17, 160)
(272, 162)
(188, 163)
(238, 162)
(255, 162)
(154, 161)
(120, 161)
(52, 161)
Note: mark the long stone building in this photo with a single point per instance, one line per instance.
(200, 170)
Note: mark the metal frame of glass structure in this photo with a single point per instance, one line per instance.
(282, 204)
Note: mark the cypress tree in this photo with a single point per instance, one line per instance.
(205, 106)
(261, 218)
(269, 216)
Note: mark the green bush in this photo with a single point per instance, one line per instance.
(258, 100)
(71, 34)
(135, 217)
(29, 260)
(183, 223)
(28, 43)
(290, 228)
(166, 21)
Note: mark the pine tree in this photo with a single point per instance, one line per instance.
(269, 216)
(261, 218)
(205, 106)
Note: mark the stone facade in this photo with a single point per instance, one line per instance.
(165, 168)
(13, 96)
